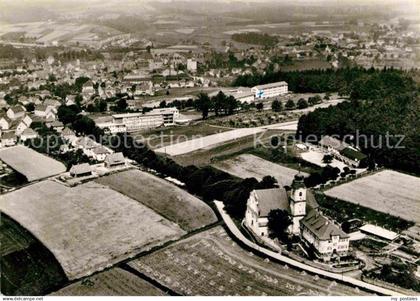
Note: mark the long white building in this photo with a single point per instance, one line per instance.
(270, 90)
(129, 122)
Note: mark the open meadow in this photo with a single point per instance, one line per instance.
(211, 264)
(113, 282)
(88, 227)
(247, 166)
(163, 197)
(387, 191)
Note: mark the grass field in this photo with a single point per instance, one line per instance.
(114, 282)
(27, 267)
(165, 198)
(387, 191)
(88, 227)
(211, 264)
(248, 166)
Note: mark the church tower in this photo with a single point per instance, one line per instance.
(297, 203)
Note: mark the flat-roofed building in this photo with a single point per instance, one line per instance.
(270, 90)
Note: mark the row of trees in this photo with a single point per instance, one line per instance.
(221, 104)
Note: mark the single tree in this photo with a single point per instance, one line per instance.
(203, 104)
(260, 106)
(327, 159)
(278, 223)
(276, 106)
(302, 104)
(290, 104)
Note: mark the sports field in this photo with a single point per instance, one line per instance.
(208, 141)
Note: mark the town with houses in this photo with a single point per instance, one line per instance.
(198, 150)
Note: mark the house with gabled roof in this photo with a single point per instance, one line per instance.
(115, 159)
(16, 112)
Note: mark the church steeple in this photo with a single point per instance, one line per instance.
(298, 193)
(297, 202)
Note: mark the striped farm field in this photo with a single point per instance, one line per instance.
(211, 264)
(114, 282)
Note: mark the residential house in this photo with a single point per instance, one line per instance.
(16, 112)
(28, 134)
(8, 139)
(81, 170)
(322, 236)
(114, 160)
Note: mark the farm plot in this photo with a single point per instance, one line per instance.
(165, 198)
(210, 264)
(246, 166)
(31, 164)
(208, 141)
(88, 227)
(387, 191)
(27, 267)
(114, 282)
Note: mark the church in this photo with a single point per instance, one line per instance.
(320, 234)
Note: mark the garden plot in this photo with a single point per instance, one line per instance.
(211, 264)
(387, 191)
(114, 282)
(208, 141)
(88, 227)
(165, 198)
(247, 166)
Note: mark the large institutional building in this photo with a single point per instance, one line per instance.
(270, 90)
(129, 122)
(321, 235)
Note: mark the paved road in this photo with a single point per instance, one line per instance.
(235, 231)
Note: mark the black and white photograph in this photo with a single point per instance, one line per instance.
(158, 148)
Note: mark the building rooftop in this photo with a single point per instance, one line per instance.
(271, 199)
(332, 142)
(321, 226)
(272, 85)
(81, 169)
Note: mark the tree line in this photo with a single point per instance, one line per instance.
(357, 82)
(382, 121)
